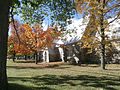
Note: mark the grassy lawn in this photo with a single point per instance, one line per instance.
(58, 76)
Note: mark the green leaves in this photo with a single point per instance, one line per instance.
(37, 10)
(16, 2)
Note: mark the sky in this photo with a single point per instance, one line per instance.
(78, 26)
(47, 20)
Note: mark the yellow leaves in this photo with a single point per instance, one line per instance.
(89, 37)
(79, 4)
(92, 4)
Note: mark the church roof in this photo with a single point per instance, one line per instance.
(67, 42)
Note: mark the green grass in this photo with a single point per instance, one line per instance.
(28, 76)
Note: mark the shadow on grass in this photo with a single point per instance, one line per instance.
(32, 67)
(54, 66)
(13, 86)
(24, 61)
(114, 69)
(90, 65)
(105, 82)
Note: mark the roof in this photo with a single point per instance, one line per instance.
(67, 42)
(72, 40)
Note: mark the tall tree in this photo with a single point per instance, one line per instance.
(4, 22)
(103, 10)
(32, 39)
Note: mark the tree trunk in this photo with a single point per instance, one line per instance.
(4, 21)
(25, 57)
(39, 58)
(102, 50)
(65, 54)
(36, 57)
(102, 37)
(14, 54)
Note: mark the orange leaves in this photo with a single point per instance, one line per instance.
(27, 27)
(50, 35)
(32, 38)
(21, 49)
(37, 28)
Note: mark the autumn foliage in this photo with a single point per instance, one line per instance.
(30, 39)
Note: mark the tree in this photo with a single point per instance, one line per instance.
(103, 10)
(53, 10)
(4, 22)
(89, 37)
(31, 39)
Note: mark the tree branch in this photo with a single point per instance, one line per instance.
(11, 13)
(114, 19)
(112, 7)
